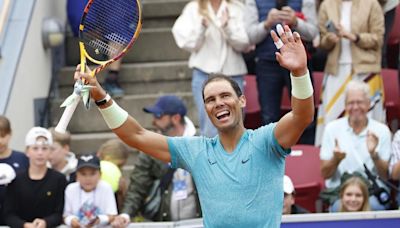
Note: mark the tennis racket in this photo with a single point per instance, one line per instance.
(106, 32)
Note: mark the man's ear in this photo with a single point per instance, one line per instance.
(176, 118)
(242, 101)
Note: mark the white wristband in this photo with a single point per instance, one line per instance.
(301, 86)
(103, 219)
(114, 115)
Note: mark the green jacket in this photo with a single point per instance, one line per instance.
(146, 171)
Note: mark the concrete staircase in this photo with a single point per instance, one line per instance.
(154, 66)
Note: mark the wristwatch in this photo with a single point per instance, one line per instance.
(103, 101)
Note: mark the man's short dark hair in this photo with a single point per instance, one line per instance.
(221, 77)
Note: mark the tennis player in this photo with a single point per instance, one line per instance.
(239, 172)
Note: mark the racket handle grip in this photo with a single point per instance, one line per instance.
(66, 117)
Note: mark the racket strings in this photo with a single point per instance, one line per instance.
(109, 26)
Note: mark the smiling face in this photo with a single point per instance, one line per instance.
(353, 198)
(357, 105)
(223, 106)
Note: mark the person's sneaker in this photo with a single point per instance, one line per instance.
(113, 89)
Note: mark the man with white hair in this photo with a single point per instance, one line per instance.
(355, 140)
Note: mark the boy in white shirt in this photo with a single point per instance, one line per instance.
(89, 201)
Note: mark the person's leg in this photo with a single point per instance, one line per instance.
(270, 82)
(111, 82)
(389, 21)
(206, 127)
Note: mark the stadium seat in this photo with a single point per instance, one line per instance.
(252, 118)
(303, 167)
(393, 44)
(392, 97)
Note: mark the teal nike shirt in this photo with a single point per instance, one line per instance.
(239, 189)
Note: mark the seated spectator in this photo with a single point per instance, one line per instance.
(114, 153)
(11, 161)
(354, 195)
(354, 53)
(356, 140)
(178, 195)
(36, 196)
(289, 206)
(61, 158)
(394, 166)
(89, 201)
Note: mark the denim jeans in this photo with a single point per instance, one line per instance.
(198, 79)
(271, 78)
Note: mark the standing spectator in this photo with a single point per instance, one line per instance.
(261, 17)
(394, 166)
(352, 33)
(289, 205)
(89, 201)
(36, 196)
(350, 142)
(61, 158)
(213, 32)
(179, 200)
(11, 161)
(354, 195)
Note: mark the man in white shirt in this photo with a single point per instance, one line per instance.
(352, 141)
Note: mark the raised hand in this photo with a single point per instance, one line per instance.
(292, 55)
(372, 143)
(338, 154)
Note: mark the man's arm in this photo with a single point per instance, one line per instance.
(293, 57)
(125, 126)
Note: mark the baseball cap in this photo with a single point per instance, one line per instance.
(288, 187)
(167, 105)
(36, 132)
(91, 161)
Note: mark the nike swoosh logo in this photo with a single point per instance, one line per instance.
(244, 161)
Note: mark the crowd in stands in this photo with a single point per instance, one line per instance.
(47, 185)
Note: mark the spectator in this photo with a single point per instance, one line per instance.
(36, 196)
(261, 17)
(116, 152)
(239, 170)
(213, 32)
(61, 158)
(89, 201)
(354, 195)
(11, 161)
(354, 47)
(394, 166)
(289, 206)
(350, 142)
(179, 200)
(111, 83)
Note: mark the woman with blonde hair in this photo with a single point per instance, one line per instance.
(354, 195)
(213, 32)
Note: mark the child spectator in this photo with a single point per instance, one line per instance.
(61, 159)
(114, 152)
(354, 195)
(89, 201)
(11, 161)
(36, 196)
